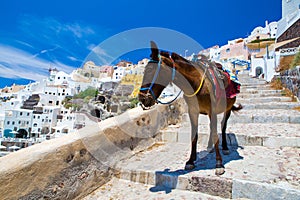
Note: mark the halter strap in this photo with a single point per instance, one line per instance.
(200, 86)
(155, 77)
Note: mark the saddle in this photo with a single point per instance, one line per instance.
(223, 79)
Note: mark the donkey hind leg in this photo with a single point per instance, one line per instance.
(210, 145)
(194, 138)
(220, 169)
(225, 149)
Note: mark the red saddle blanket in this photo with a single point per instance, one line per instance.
(233, 88)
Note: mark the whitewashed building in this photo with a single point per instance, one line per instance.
(18, 123)
(119, 73)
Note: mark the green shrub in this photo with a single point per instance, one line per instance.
(296, 60)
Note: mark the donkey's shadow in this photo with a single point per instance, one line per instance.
(167, 180)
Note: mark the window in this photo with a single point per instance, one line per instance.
(50, 102)
(27, 114)
(35, 125)
(58, 77)
(21, 113)
(227, 50)
(13, 123)
(19, 122)
(8, 122)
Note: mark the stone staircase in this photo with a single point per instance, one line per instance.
(264, 162)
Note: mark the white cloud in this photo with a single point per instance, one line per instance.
(16, 63)
(42, 37)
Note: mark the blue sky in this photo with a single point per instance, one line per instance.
(36, 35)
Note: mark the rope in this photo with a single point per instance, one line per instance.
(200, 86)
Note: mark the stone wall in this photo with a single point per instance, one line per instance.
(291, 80)
(290, 33)
(73, 166)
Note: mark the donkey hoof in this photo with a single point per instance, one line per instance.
(226, 152)
(189, 166)
(210, 149)
(220, 171)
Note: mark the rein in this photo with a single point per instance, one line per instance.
(154, 79)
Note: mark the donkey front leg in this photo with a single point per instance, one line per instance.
(194, 138)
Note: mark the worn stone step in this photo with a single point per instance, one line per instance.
(250, 172)
(258, 91)
(253, 134)
(120, 189)
(255, 116)
(268, 92)
(258, 100)
(259, 87)
(272, 105)
(244, 95)
(253, 84)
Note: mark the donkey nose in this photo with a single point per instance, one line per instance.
(146, 99)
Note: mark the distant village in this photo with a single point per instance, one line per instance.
(64, 103)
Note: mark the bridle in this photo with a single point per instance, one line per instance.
(150, 90)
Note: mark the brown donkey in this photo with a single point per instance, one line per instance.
(203, 94)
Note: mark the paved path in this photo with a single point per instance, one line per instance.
(264, 162)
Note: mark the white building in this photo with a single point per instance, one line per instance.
(18, 122)
(119, 73)
(44, 119)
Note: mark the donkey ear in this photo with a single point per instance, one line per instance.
(154, 51)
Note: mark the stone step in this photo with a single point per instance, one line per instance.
(120, 189)
(267, 99)
(252, 81)
(254, 84)
(247, 95)
(269, 135)
(256, 116)
(272, 105)
(258, 87)
(258, 91)
(250, 172)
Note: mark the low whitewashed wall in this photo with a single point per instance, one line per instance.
(73, 166)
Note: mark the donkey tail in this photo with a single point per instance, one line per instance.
(237, 108)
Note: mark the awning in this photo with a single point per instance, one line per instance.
(272, 47)
(260, 45)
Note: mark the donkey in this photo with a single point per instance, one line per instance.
(199, 88)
